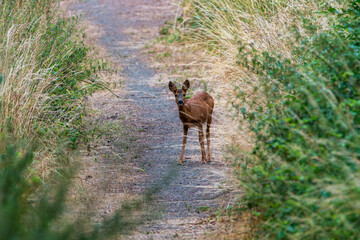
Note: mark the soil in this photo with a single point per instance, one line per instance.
(143, 133)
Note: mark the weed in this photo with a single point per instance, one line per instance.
(188, 207)
(202, 209)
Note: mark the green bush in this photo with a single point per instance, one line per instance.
(303, 180)
(31, 210)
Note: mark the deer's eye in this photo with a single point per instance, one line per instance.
(184, 95)
(176, 95)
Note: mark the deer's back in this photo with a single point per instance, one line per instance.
(202, 97)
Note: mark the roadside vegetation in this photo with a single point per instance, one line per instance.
(32, 210)
(290, 74)
(288, 70)
(46, 73)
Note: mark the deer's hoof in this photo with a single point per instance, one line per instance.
(180, 163)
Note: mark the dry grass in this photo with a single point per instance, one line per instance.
(23, 92)
(227, 25)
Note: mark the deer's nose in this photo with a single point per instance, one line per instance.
(180, 102)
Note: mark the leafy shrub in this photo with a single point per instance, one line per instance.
(303, 180)
(31, 210)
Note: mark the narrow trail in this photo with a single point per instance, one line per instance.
(147, 110)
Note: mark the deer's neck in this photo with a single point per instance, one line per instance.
(184, 112)
(183, 108)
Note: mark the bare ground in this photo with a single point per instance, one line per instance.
(143, 134)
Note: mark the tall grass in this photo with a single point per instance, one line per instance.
(293, 68)
(222, 27)
(46, 72)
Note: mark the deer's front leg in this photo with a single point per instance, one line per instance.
(201, 140)
(186, 128)
(208, 136)
(208, 141)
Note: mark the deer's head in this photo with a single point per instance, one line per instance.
(179, 93)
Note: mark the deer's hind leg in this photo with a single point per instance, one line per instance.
(208, 136)
(201, 140)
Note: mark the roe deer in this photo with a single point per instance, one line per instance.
(194, 113)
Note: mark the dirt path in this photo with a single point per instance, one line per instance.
(144, 132)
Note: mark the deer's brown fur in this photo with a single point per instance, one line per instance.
(194, 113)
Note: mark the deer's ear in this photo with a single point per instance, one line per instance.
(186, 85)
(172, 87)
